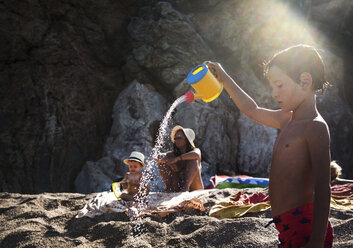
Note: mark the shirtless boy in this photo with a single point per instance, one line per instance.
(132, 179)
(300, 167)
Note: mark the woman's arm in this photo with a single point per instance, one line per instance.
(168, 159)
(192, 155)
(163, 157)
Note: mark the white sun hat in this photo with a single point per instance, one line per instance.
(189, 134)
(136, 156)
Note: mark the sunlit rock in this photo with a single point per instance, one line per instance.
(136, 116)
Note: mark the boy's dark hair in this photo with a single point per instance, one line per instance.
(298, 59)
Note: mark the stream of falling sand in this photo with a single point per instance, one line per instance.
(148, 172)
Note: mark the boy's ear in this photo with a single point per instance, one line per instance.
(306, 80)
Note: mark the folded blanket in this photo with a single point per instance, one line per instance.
(239, 204)
(342, 197)
(345, 190)
(156, 204)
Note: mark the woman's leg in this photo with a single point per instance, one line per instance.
(193, 179)
(170, 179)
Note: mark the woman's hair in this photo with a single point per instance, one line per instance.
(336, 168)
(298, 59)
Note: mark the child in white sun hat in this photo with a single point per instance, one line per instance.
(132, 179)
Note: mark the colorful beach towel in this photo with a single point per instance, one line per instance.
(239, 204)
(241, 182)
(215, 180)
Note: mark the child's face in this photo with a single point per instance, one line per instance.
(134, 166)
(287, 93)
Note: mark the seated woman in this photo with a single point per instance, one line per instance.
(181, 168)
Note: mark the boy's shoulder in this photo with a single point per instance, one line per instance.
(317, 122)
(317, 128)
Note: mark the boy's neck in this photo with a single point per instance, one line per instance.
(306, 109)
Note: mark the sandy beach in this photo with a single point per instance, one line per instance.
(48, 220)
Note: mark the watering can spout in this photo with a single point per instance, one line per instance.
(191, 96)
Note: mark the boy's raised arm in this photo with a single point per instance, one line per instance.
(245, 103)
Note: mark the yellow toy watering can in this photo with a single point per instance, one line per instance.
(206, 85)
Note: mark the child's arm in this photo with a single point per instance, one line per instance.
(318, 141)
(124, 182)
(245, 103)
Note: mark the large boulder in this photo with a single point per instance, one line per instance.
(96, 176)
(137, 113)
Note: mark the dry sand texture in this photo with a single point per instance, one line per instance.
(48, 220)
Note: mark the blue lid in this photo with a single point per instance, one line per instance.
(196, 74)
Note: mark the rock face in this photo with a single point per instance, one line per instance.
(164, 46)
(71, 73)
(59, 78)
(136, 116)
